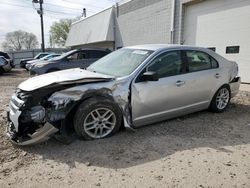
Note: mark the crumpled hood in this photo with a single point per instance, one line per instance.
(69, 75)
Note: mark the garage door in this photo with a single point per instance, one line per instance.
(223, 25)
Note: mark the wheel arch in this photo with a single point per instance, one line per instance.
(102, 93)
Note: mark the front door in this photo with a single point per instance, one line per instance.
(157, 100)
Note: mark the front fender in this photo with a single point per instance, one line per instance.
(118, 92)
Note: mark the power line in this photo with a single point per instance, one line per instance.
(29, 7)
(6, 3)
(63, 7)
(58, 12)
(82, 4)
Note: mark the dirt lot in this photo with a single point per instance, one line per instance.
(197, 150)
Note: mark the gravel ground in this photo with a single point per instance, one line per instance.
(198, 150)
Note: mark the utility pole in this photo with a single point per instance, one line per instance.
(40, 12)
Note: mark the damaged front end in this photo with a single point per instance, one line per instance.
(35, 116)
(41, 109)
(32, 118)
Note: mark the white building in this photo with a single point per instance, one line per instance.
(223, 25)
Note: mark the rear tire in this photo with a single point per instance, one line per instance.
(221, 99)
(97, 118)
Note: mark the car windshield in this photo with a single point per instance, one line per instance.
(48, 57)
(41, 55)
(121, 62)
(45, 57)
(64, 55)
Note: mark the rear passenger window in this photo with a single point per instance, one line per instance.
(214, 63)
(198, 61)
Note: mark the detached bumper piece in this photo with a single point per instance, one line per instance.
(235, 86)
(40, 135)
(32, 131)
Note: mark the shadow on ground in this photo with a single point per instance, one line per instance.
(126, 149)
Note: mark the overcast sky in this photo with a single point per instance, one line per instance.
(21, 14)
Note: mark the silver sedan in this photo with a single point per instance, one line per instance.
(130, 87)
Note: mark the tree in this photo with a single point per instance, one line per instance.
(59, 31)
(19, 40)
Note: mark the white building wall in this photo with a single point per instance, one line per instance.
(143, 22)
(179, 18)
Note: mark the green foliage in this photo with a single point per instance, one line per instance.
(59, 32)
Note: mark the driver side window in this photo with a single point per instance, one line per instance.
(77, 56)
(167, 64)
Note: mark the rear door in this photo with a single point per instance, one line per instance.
(203, 77)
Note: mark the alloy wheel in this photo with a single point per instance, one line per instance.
(222, 98)
(99, 122)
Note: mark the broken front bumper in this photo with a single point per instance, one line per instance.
(39, 135)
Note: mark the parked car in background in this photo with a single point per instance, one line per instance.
(81, 58)
(7, 56)
(29, 64)
(8, 66)
(38, 56)
(130, 87)
(2, 64)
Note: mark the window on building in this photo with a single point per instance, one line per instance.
(233, 49)
(212, 48)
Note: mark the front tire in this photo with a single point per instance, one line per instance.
(221, 99)
(97, 118)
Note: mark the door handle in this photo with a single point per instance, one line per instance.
(217, 75)
(179, 83)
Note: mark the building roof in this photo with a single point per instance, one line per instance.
(156, 47)
(96, 28)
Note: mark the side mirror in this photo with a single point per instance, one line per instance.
(150, 76)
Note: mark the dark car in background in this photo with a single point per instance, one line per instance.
(7, 64)
(49, 57)
(7, 57)
(80, 58)
(3, 63)
(38, 56)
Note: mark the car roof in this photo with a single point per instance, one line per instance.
(98, 49)
(43, 53)
(158, 47)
